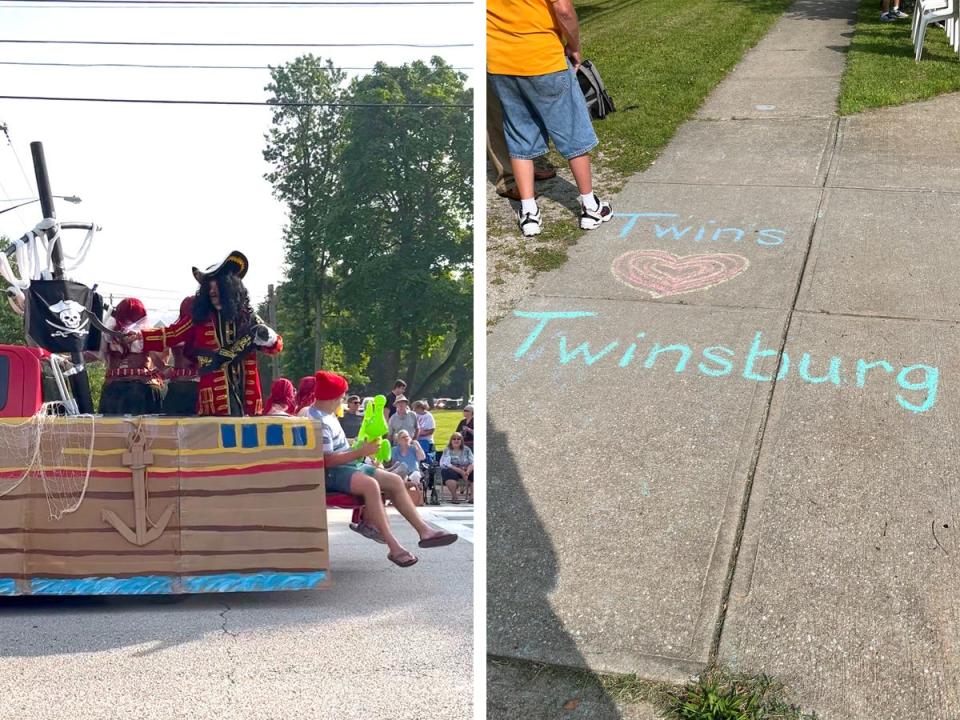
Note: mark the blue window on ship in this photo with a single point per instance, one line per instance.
(299, 436)
(228, 436)
(275, 435)
(249, 437)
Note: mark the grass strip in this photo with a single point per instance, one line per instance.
(659, 60)
(880, 68)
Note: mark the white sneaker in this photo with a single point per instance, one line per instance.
(530, 223)
(592, 219)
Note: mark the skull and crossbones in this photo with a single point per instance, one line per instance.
(71, 315)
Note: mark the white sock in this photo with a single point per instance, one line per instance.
(528, 206)
(589, 201)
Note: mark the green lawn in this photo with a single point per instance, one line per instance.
(880, 67)
(659, 59)
(446, 425)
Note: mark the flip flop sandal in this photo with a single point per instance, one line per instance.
(368, 531)
(411, 559)
(439, 540)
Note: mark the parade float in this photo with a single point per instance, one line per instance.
(93, 505)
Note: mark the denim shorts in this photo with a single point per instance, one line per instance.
(338, 478)
(541, 107)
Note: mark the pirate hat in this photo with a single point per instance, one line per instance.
(235, 261)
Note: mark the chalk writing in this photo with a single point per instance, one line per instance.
(917, 383)
(709, 231)
(661, 273)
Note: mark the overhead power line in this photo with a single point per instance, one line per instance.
(222, 3)
(237, 102)
(230, 44)
(173, 67)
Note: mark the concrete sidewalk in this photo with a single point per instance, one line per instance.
(726, 429)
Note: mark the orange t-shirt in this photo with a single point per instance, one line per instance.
(523, 38)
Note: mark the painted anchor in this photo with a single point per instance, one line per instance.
(138, 459)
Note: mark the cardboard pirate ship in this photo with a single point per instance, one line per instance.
(153, 505)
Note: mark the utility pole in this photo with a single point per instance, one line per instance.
(80, 382)
(272, 320)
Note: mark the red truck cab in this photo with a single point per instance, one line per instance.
(21, 380)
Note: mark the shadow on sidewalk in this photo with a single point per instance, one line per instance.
(521, 575)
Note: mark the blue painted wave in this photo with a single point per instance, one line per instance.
(257, 582)
(166, 585)
(145, 585)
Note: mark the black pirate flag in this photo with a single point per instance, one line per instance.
(63, 316)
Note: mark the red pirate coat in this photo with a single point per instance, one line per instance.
(230, 387)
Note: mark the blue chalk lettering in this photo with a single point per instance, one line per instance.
(636, 216)
(710, 354)
(770, 236)
(584, 348)
(755, 354)
(544, 318)
(628, 355)
(932, 376)
(720, 231)
(677, 233)
(699, 235)
(685, 353)
(863, 367)
(833, 375)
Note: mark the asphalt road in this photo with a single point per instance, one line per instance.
(383, 642)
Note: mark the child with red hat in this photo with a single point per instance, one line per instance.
(346, 472)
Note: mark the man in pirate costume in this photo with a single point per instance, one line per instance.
(133, 383)
(183, 382)
(222, 332)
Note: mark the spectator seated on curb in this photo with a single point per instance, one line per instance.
(345, 472)
(456, 464)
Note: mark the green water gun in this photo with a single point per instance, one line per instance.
(374, 428)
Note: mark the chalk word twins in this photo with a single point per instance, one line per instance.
(666, 226)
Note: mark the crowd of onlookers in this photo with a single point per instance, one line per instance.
(411, 430)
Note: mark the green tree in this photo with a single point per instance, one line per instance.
(407, 271)
(302, 148)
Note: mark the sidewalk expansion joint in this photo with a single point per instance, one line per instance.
(761, 431)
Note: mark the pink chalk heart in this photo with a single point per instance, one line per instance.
(661, 273)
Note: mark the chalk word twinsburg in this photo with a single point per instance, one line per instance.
(917, 383)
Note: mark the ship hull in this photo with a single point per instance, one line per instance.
(169, 506)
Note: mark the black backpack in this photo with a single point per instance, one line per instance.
(599, 102)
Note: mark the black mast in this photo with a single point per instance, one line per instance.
(79, 383)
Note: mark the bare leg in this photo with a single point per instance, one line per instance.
(373, 511)
(454, 487)
(523, 174)
(580, 167)
(393, 487)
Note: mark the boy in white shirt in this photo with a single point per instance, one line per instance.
(345, 472)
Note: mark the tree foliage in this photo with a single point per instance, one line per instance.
(378, 248)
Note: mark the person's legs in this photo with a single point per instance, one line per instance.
(563, 112)
(582, 174)
(526, 140)
(497, 144)
(374, 513)
(451, 478)
(523, 176)
(394, 488)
